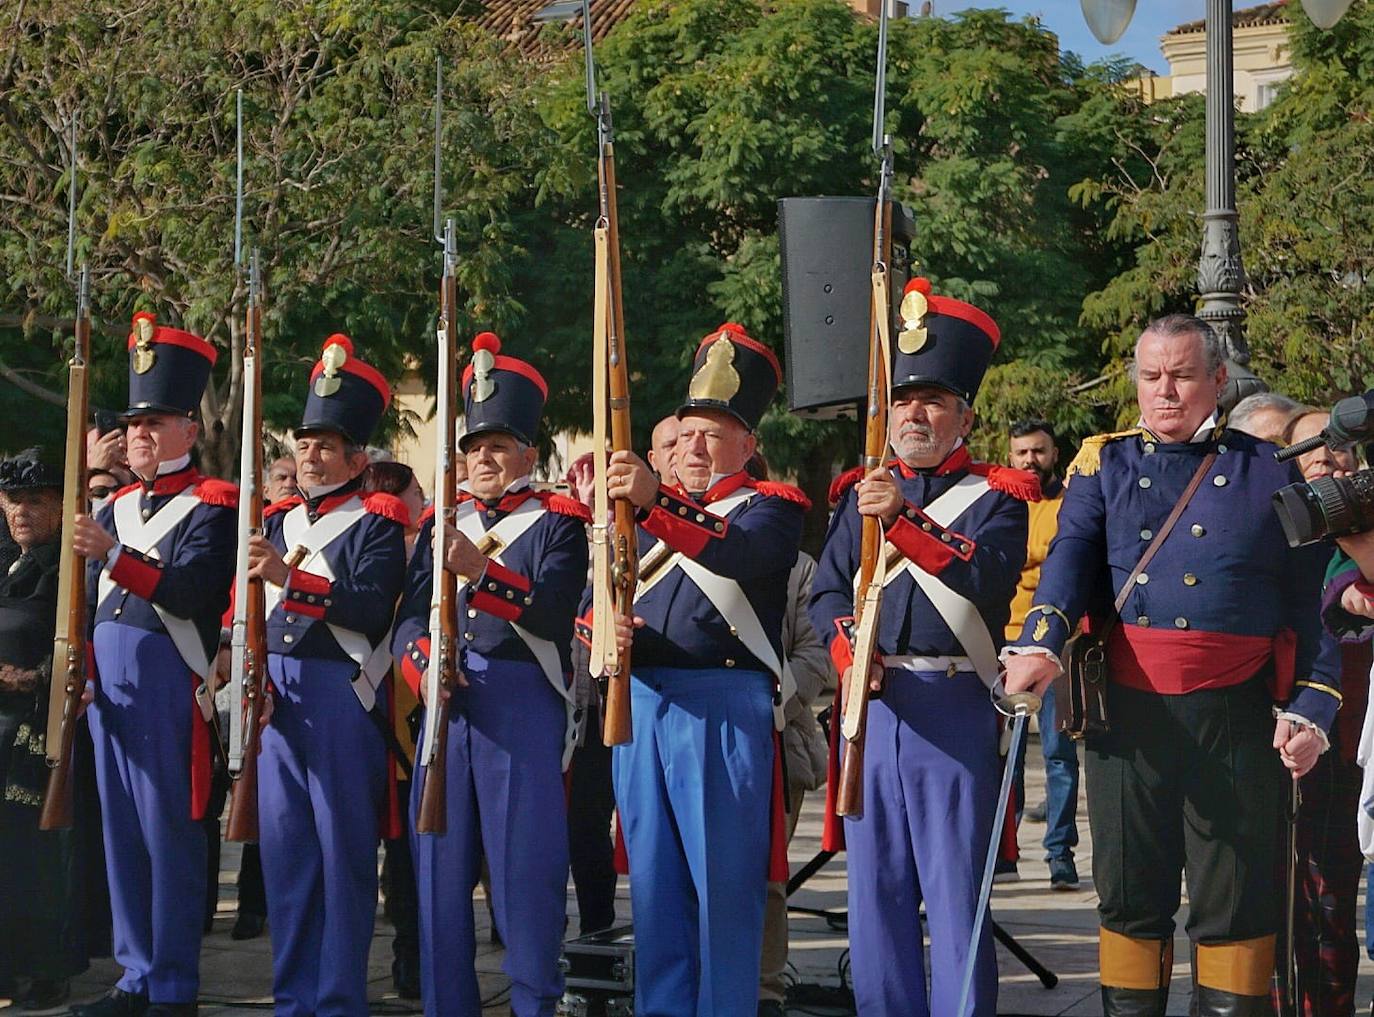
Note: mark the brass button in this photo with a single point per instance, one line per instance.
(734, 631)
(682, 510)
(529, 601)
(467, 636)
(118, 611)
(1143, 621)
(491, 513)
(288, 638)
(729, 662)
(945, 537)
(720, 527)
(926, 527)
(147, 513)
(1147, 534)
(290, 619)
(1142, 579)
(1180, 623)
(663, 502)
(472, 612)
(1189, 579)
(1221, 449)
(701, 518)
(964, 548)
(1144, 482)
(310, 598)
(1219, 481)
(510, 594)
(911, 513)
(1198, 530)
(1149, 448)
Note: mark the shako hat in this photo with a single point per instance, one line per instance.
(733, 373)
(168, 368)
(346, 395)
(942, 342)
(501, 393)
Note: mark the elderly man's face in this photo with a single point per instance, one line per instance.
(496, 460)
(710, 442)
(925, 423)
(662, 445)
(158, 438)
(281, 479)
(1175, 390)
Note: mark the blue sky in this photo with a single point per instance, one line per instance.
(1065, 18)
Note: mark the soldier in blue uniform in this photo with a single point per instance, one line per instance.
(161, 557)
(333, 559)
(956, 541)
(1222, 621)
(521, 556)
(698, 787)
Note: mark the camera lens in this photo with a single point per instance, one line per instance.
(1300, 513)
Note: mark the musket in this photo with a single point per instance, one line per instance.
(615, 538)
(248, 635)
(69, 642)
(868, 593)
(441, 676)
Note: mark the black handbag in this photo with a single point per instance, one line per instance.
(1080, 692)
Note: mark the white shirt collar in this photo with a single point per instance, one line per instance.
(174, 465)
(311, 493)
(1201, 434)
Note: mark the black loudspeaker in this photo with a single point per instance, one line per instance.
(827, 264)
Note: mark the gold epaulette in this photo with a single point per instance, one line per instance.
(1089, 458)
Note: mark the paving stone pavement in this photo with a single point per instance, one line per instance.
(1059, 928)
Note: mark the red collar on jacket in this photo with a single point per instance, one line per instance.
(959, 459)
(508, 503)
(171, 483)
(722, 488)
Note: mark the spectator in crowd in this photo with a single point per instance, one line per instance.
(281, 479)
(1032, 447)
(1329, 860)
(100, 485)
(41, 939)
(107, 450)
(662, 447)
(401, 902)
(805, 752)
(1264, 415)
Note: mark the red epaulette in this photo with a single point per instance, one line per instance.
(125, 490)
(285, 505)
(1020, 484)
(218, 492)
(773, 489)
(564, 505)
(388, 506)
(844, 482)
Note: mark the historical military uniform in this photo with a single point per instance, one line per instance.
(696, 787)
(1216, 629)
(157, 601)
(322, 774)
(512, 728)
(930, 772)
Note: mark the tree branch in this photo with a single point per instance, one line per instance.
(16, 379)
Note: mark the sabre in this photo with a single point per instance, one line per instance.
(1018, 706)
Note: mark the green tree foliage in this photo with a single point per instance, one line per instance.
(1306, 204)
(337, 108)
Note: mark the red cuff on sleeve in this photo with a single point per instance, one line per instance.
(501, 592)
(582, 629)
(308, 594)
(682, 524)
(415, 663)
(926, 542)
(135, 573)
(841, 651)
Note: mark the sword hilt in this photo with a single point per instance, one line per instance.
(1018, 704)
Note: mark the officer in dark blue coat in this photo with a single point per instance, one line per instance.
(333, 560)
(696, 787)
(956, 541)
(1215, 631)
(161, 557)
(521, 556)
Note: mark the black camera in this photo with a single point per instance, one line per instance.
(1330, 506)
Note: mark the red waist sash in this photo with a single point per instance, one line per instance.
(1174, 662)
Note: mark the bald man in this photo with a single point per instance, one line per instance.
(662, 445)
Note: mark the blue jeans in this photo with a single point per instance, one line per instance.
(1061, 783)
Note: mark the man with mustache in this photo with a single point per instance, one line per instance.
(955, 540)
(1220, 627)
(160, 558)
(696, 786)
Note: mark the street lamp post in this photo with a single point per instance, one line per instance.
(1221, 272)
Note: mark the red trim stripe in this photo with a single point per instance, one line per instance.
(967, 312)
(162, 335)
(738, 335)
(515, 366)
(364, 371)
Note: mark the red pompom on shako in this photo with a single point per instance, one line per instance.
(942, 342)
(168, 368)
(501, 393)
(735, 373)
(346, 396)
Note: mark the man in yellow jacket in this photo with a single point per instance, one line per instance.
(1033, 448)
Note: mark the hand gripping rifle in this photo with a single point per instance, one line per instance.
(69, 642)
(615, 538)
(868, 594)
(441, 675)
(248, 636)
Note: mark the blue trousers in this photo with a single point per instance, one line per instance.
(504, 799)
(929, 786)
(321, 783)
(1061, 782)
(154, 852)
(694, 788)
